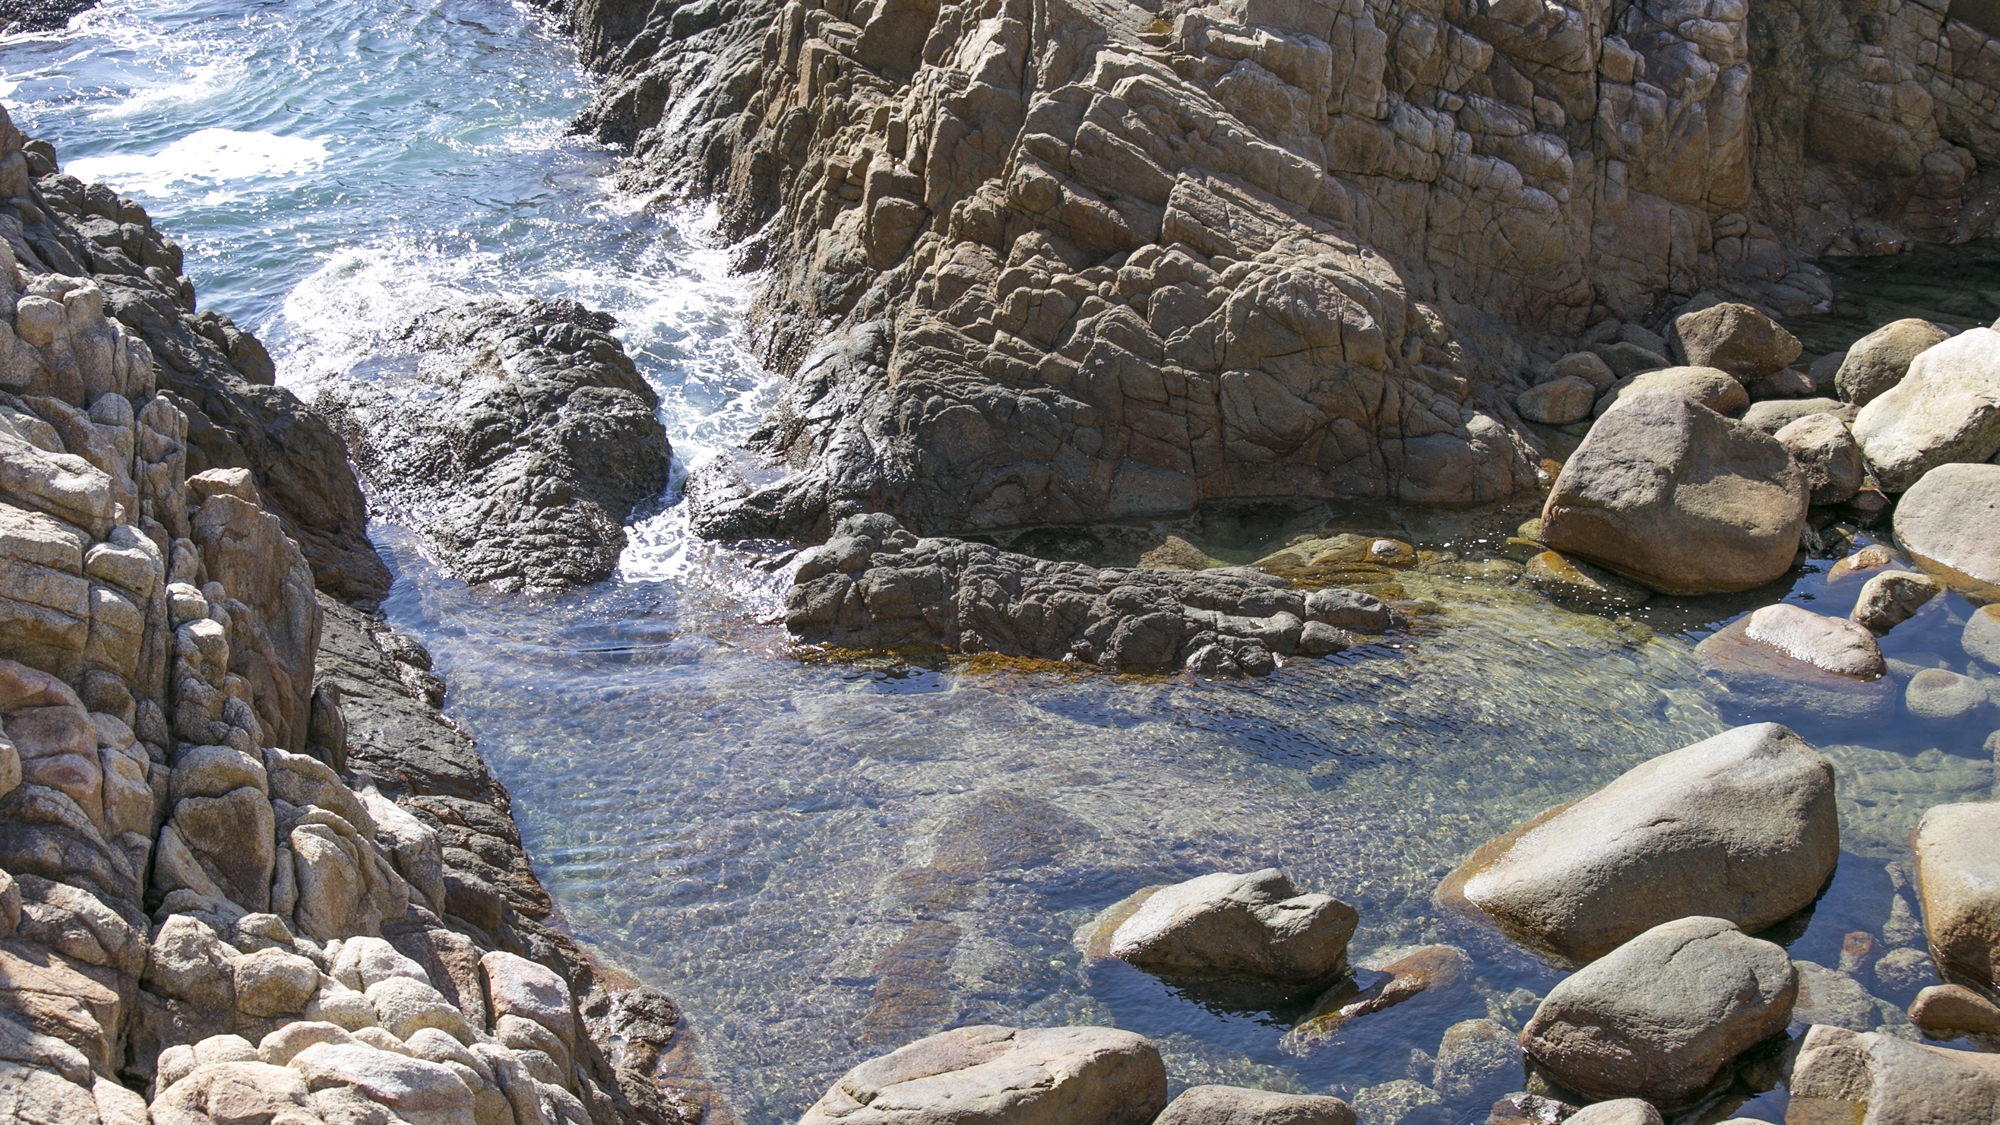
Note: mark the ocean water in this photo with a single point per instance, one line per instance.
(823, 861)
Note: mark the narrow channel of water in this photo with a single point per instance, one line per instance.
(823, 862)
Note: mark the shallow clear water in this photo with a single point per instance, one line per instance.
(824, 861)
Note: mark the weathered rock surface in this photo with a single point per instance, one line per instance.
(1946, 1011)
(91, 250)
(1888, 600)
(1618, 1111)
(1741, 826)
(1958, 885)
(876, 585)
(221, 797)
(1234, 1105)
(1879, 360)
(1736, 338)
(1944, 696)
(1409, 975)
(1874, 1078)
(1557, 403)
(1678, 497)
(1660, 1016)
(1949, 522)
(1826, 455)
(1576, 582)
(1011, 286)
(1981, 639)
(1761, 679)
(1944, 411)
(536, 439)
(1256, 927)
(1061, 1075)
(1711, 387)
(1770, 416)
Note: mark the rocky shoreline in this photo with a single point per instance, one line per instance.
(251, 872)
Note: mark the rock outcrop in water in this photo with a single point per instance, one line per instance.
(246, 869)
(874, 585)
(1050, 264)
(520, 447)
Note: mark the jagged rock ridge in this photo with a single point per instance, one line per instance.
(1087, 260)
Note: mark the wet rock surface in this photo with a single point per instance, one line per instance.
(1740, 827)
(1672, 494)
(1661, 1015)
(875, 585)
(521, 446)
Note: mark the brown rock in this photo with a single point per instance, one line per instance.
(1827, 456)
(1670, 493)
(1557, 403)
(1659, 1017)
(1879, 360)
(1874, 1078)
(1715, 389)
(1958, 882)
(1741, 826)
(1949, 522)
(1233, 1105)
(1888, 600)
(1946, 1011)
(1736, 338)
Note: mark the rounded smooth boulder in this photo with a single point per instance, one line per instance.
(1946, 410)
(1950, 524)
(1255, 927)
(1659, 1017)
(1880, 359)
(1672, 494)
(1235, 1105)
(1741, 826)
(1958, 883)
(1736, 338)
(1003, 1076)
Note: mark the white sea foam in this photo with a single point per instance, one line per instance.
(213, 157)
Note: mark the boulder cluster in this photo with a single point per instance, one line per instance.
(1659, 890)
(248, 873)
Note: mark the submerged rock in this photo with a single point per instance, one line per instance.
(1879, 360)
(1949, 522)
(1233, 1105)
(875, 585)
(1678, 497)
(522, 447)
(1958, 883)
(1942, 695)
(1741, 826)
(1058, 1076)
(1981, 639)
(1409, 974)
(1875, 1078)
(1945, 410)
(1660, 1016)
(1568, 580)
(1254, 927)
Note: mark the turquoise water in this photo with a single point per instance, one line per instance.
(824, 861)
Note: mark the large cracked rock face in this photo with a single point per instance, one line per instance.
(520, 447)
(1074, 261)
